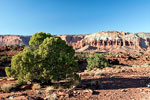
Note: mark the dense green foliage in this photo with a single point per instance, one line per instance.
(38, 38)
(46, 59)
(97, 61)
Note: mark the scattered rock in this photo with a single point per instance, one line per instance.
(123, 70)
(75, 93)
(99, 74)
(51, 97)
(88, 91)
(86, 70)
(29, 82)
(123, 90)
(36, 86)
(49, 90)
(20, 98)
(10, 97)
(141, 90)
(25, 87)
(38, 92)
(91, 74)
(62, 93)
(10, 79)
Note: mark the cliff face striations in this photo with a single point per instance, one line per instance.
(105, 41)
(111, 41)
(13, 40)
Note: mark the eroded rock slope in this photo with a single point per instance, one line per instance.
(102, 41)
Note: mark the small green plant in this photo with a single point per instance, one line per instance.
(129, 65)
(4, 58)
(118, 67)
(97, 61)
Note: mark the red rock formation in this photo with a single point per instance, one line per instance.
(13, 40)
(111, 41)
(105, 40)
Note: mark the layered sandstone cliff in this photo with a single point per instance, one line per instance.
(13, 40)
(111, 41)
(105, 41)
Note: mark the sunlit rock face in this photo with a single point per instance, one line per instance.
(13, 40)
(110, 41)
(102, 41)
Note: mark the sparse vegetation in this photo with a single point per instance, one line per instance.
(4, 58)
(13, 47)
(7, 87)
(46, 59)
(118, 67)
(97, 61)
(82, 56)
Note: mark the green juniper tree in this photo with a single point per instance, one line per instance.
(47, 58)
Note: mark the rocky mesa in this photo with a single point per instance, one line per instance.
(14, 40)
(111, 41)
(105, 41)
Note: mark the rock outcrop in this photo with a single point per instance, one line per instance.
(101, 42)
(13, 40)
(113, 39)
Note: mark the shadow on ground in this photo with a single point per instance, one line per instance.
(117, 83)
(2, 73)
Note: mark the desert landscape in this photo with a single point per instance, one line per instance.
(125, 78)
(74, 49)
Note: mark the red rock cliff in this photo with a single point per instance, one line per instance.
(101, 41)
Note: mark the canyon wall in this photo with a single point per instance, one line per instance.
(111, 41)
(13, 40)
(104, 41)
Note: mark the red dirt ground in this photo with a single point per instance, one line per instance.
(127, 83)
(123, 83)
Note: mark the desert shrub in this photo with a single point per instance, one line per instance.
(4, 58)
(8, 87)
(118, 67)
(97, 61)
(46, 59)
(81, 56)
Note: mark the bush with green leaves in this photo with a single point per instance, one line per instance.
(97, 61)
(4, 58)
(81, 56)
(46, 59)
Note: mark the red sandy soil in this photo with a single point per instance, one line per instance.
(126, 83)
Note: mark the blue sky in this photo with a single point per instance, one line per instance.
(25, 17)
